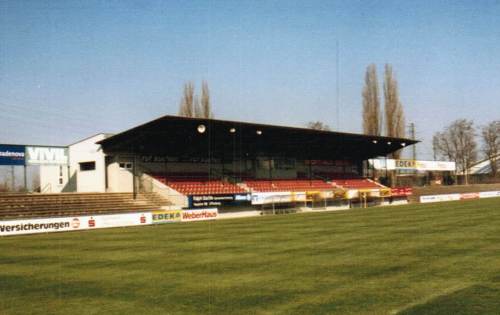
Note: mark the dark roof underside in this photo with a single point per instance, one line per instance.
(179, 137)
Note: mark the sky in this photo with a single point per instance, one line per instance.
(71, 69)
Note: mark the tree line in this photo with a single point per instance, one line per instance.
(458, 143)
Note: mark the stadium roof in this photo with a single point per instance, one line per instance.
(185, 137)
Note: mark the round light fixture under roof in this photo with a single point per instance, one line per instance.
(389, 143)
(259, 132)
(202, 128)
(375, 141)
(403, 144)
(232, 130)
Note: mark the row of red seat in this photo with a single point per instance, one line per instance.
(200, 186)
(204, 186)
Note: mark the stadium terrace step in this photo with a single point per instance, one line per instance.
(45, 205)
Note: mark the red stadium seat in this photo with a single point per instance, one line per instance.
(200, 185)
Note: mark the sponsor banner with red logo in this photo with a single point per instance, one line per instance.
(116, 220)
(34, 226)
(199, 215)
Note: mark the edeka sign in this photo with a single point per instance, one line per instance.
(33, 226)
(11, 154)
(203, 201)
(166, 216)
(405, 164)
(199, 215)
(36, 155)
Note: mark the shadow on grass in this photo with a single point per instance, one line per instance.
(476, 299)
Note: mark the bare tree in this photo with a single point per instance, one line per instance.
(197, 108)
(491, 143)
(206, 109)
(186, 106)
(458, 143)
(318, 125)
(394, 116)
(441, 145)
(190, 105)
(371, 103)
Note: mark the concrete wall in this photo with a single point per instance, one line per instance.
(120, 179)
(88, 151)
(53, 178)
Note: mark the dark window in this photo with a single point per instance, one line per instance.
(87, 166)
(127, 166)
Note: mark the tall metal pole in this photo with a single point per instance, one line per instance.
(25, 179)
(134, 175)
(412, 133)
(338, 86)
(13, 180)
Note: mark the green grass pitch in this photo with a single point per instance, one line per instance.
(439, 258)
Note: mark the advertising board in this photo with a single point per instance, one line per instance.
(435, 166)
(117, 220)
(204, 201)
(462, 196)
(37, 155)
(419, 165)
(405, 164)
(199, 215)
(260, 198)
(166, 216)
(439, 198)
(34, 226)
(489, 194)
(466, 196)
(401, 191)
(12, 154)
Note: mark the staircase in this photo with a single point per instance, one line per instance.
(18, 206)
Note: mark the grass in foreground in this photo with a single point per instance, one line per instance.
(419, 259)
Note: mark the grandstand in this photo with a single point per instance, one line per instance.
(184, 157)
(175, 161)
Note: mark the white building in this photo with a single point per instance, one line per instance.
(86, 170)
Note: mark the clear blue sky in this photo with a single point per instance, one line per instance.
(69, 69)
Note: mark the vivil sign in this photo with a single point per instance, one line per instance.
(11, 154)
